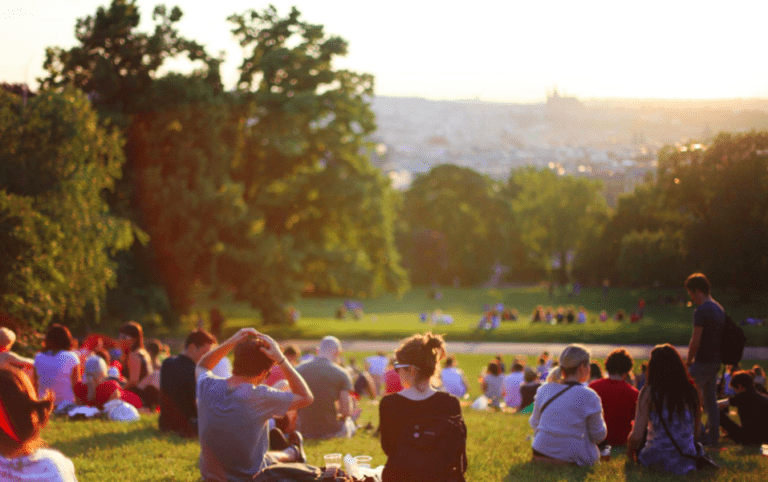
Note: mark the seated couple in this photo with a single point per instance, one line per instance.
(234, 412)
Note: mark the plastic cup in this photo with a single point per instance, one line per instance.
(332, 461)
(764, 450)
(363, 461)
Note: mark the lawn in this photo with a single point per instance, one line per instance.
(498, 450)
(392, 318)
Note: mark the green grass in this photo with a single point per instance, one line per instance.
(497, 451)
(392, 318)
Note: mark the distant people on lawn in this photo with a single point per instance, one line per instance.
(178, 398)
(137, 364)
(529, 388)
(704, 350)
(669, 408)
(567, 417)
(453, 379)
(95, 390)
(512, 384)
(234, 413)
(416, 362)
(492, 384)
(753, 411)
(7, 357)
(331, 385)
(376, 365)
(595, 372)
(23, 456)
(362, 381)
(57, 368)
(392, 382)
(618, 396)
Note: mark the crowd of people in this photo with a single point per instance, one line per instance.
(256, 411)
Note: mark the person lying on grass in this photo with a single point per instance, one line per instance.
(233, 413)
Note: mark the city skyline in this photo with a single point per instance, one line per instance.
(487, 51)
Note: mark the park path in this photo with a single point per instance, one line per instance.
(505, 348)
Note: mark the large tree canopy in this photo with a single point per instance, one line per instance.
(57, 234)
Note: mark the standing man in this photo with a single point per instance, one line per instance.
(178, 403)
(332, 386)
(234, 412)
(704, 351)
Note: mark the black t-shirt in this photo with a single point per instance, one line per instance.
(753, 413)
(711, 318)
(527, 392)
(178, 408)
(396, 411)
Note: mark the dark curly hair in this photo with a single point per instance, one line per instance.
(619, 362)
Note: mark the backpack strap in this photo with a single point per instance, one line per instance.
(570, 385)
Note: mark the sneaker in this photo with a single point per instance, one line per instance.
(297, 442)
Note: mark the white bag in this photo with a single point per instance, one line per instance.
(121, 411)
(481, 403)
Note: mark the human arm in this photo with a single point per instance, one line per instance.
(693, 345)
(302, 394)
(17, 361)
(697, 422)
(724, 403)
(213, 357)
(346, 404)
(641, 423)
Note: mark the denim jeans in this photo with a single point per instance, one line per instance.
(705, 376)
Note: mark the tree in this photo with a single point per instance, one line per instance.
(457, 224)
(556, 214)
(322, 215)
(56, 231)
(721, 191)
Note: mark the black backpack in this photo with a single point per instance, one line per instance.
(732, 342)
(430, 448)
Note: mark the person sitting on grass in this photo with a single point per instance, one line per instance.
(416, 363)
(233, 413)
(669, 408)
(567, 417)
(492, 383)
(512, 383)
(7, 357)
(178, 402)
(22, 418)
(453, 379)
(95, 390)
(332, 386)
(753, 411)
(58, 367)
(529, 388)
(618, 397)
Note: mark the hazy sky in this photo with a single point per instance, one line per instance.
(502, 50)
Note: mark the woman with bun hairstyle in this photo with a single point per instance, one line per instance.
(567, 417)
(22, 417)
(416, 362)
(58, 367)
(137, 364)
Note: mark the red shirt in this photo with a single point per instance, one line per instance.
(104, 390)
(275, 375)
(619, 400)
(392, 382)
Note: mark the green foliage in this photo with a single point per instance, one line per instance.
(57, 233)
(556, 214)
(455, 224)
(651, 258)
(321, 214)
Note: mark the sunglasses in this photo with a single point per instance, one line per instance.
(398, 366)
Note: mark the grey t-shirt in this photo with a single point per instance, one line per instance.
(327, 380)
(232, 422)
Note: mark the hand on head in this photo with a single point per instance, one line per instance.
(269, 347)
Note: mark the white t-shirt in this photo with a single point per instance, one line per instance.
(512, 388)
(452, 382)
(223, 369)
(54, 371)
(45, 465)
(377, 365)
(571, 426)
